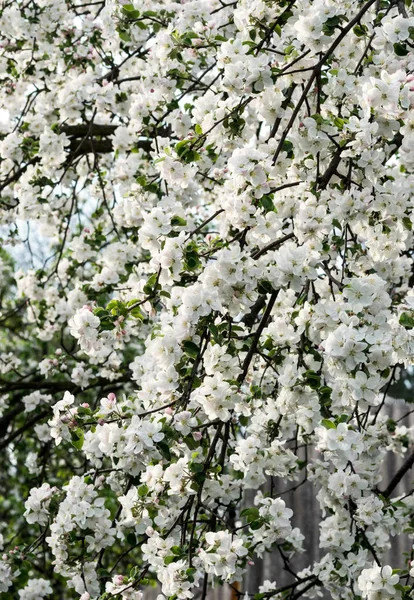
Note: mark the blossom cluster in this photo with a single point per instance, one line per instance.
(205, 294)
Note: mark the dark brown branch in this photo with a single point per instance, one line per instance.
(89, 146)
(7, 418)
(332, 167)
(273, 245)
(306, 588)
(58, 386)
(15, 176)
(250, 317)
(28, 425)
(316, 70)
(256, 338)
(398, 476)
(81, 130)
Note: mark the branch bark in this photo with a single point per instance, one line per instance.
(398, 476)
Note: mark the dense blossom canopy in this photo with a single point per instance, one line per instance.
(206, 215)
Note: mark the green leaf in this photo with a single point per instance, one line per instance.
(191, 442)
(360, 30)
(107, 325)
(325, 390)
(264, 287)
(200, 477)
(136, 313)
(400, 49)
(149, 286)
(215, 332)
(196, 467)
(77, 438)
(128, 8)
(178, 222)
(192, 262)
(266, 203)
(103, 574)
(165, 450)
(181, 147)
(114, 306)
(135, 571)
(191, 349)
(339, 123)
(130, 11)
(124, 36)
(288, 148)
(251, 514)
(142, 490)
(328, 424)
(312, 379)
(407, 223)
(407, 321)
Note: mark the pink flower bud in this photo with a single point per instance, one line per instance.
(168, 411)
(85, 405)
(111, 397)
(101, 421)
(197, 435)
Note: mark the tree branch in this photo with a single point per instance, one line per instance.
(398, 476)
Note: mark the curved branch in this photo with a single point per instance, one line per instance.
(398, 476)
